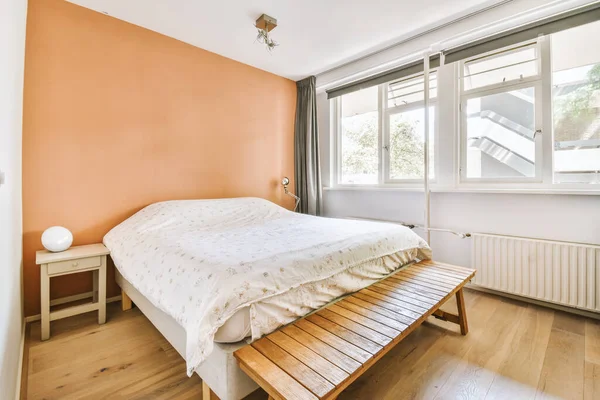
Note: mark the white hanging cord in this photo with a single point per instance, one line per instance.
(459, 234)
(426, 146)
(462, 235)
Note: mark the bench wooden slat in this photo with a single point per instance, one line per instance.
(433, 286)
(433, 275)
(386, 306)
(394, 314)
(459, 271)
(426, 282)
(329, 353)
(260, 368)
(349, 336)
(418, 291)
(406, 280)
(317, 363)
(374, 315)
(299, 371)
(361, 330)
(365, 321)
(341, 345)
(440, 274)
(342, 340)
(400, 295)
(414, 288)
(376, 298)
(424, 276)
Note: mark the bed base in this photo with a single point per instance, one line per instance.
(320, 355)
(220, 371)
(126, 302)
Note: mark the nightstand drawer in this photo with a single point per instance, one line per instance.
(73, 265)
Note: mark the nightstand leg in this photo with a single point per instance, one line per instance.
(102, 292)
(45, 297)
(95, 279)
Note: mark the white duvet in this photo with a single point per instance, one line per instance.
(200, 261)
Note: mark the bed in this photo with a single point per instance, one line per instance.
(214, 274)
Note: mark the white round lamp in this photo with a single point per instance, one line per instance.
(57, 238)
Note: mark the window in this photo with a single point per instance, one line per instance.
(407, 143)
(576, 104)
(383, 141)
(522, 117)
(500, 106)
(359, 137)
(404, 142)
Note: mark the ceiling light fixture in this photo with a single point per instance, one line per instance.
(266, 24)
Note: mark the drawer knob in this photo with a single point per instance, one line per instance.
(75, 264)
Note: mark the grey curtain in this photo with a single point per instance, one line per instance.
(306, 148)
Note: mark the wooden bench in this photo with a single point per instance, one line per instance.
(318, 356)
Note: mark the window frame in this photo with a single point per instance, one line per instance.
(384, 113)
(535, 82)
(336, 150)
(533, 44)
(463, 132)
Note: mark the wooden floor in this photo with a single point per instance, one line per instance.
(513, 351)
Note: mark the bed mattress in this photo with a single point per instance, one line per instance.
(204, 262)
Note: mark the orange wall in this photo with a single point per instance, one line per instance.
(117, 117)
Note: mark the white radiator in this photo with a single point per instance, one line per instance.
(558, 272)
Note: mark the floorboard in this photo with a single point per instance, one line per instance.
(476, 370)
(513, 350)
(563, 370)
(517, 378)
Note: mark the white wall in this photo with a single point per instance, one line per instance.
(12, 54)
(553, 217)
(573, 218)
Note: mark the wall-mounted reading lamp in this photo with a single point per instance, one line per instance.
(285, 182)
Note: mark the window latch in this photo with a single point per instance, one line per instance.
(537, 131)
(386, 147)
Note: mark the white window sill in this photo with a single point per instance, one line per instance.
(547, 191)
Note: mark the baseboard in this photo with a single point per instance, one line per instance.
(572, 310)
(20, 365)
(33, 318)
(68, 299)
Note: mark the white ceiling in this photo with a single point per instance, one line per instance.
(314, 35)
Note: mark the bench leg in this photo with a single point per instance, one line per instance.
(462, 312)
(125, 301)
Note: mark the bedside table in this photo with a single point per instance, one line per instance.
(74, 260)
